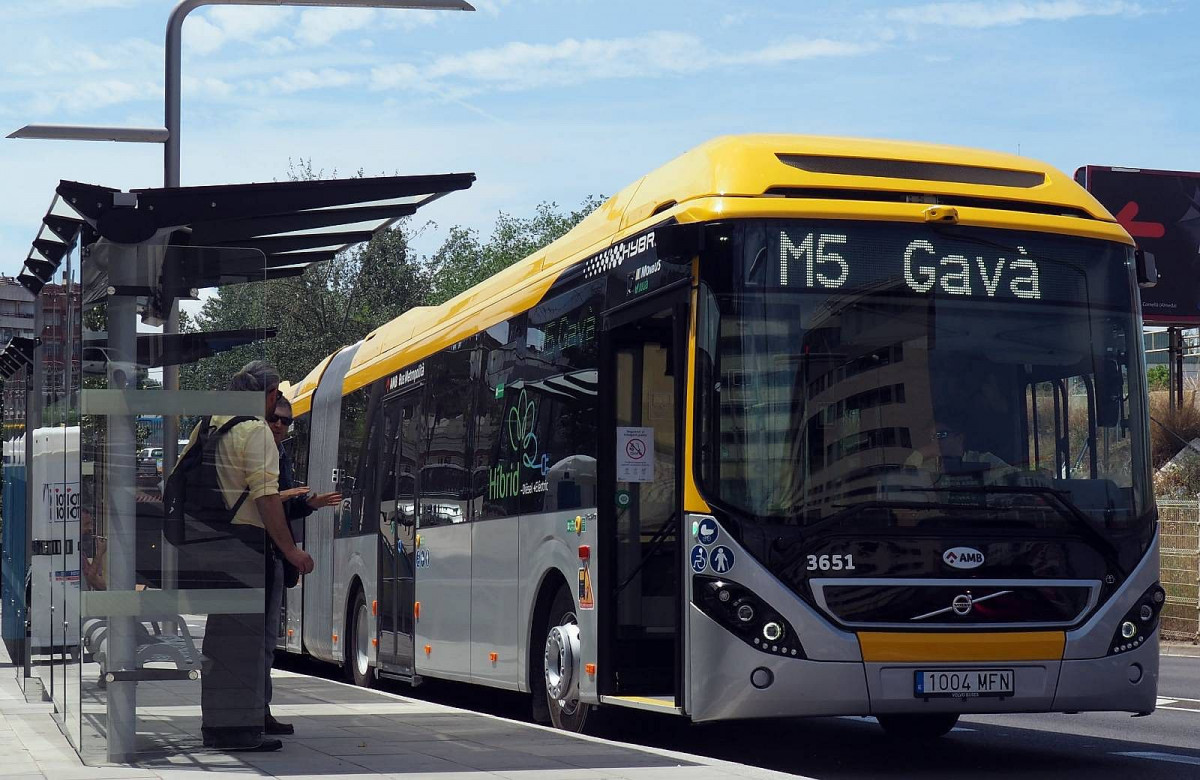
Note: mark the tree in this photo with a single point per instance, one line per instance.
(463, 260)
(1157, 377)
(338, 302)
(334, 303)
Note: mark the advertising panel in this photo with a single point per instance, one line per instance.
(1161, 210)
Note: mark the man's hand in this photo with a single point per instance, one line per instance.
(301, 560)
(293, 492)
(270, 507)
(324, 499)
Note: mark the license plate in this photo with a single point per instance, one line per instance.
(962, 683)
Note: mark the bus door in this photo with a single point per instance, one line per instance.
(397, 534)
(640, 449)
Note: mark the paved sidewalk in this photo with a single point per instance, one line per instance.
(344, 732)
(1186, 649)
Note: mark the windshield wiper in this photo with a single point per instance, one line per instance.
(1064, 506)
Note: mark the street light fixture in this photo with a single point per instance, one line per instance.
(135, 135)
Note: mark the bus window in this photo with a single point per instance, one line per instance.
(298, 444)
(558, 379)
(444, 465)
(352, 438)
(496, 358)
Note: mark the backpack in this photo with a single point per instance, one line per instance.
(193, 488)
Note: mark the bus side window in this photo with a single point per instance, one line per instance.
(496, 358)
(351, 443)
(444, 459)
(298, 444)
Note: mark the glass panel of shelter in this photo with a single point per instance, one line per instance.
(17, 545)
(162, 597)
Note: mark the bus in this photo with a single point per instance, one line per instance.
(791, 426)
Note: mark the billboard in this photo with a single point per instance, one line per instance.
(1161, 210)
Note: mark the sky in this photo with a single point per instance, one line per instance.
(557, 100)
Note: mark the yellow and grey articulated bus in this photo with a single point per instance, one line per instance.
(790, 426)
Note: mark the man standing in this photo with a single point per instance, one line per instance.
(233, 557)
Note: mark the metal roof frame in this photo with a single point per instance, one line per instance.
(219, 235)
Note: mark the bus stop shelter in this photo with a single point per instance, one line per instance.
(106, 601)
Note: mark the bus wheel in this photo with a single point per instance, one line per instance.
(561, 665)
(918, 726)
(358, 660)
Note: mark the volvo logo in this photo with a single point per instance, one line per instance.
(962, 604)
(963, 557)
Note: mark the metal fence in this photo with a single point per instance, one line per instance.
(1179, 525)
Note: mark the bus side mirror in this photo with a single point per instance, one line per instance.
(1147, 271)
(1109, 391)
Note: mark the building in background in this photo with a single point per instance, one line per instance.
(16, 310)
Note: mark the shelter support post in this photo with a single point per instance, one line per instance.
(120, 450)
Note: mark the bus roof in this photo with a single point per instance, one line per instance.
(781, 173)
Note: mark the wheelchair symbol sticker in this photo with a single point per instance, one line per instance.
(699, 559)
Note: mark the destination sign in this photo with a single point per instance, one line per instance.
(917, 260)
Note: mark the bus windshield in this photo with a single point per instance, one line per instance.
(859, 372)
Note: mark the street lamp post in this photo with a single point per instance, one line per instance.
(121, 705)
(171, 155)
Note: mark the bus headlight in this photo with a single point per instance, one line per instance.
(1139, 622)
(746, 616)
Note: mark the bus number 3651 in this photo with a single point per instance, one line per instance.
(831, 563)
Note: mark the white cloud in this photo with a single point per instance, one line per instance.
(518, 66)
(277, 45)
(400, 75)
(981, 15)
(49, 58)
(88, 96)
(490, 7)
(795, 50)
(34, 9)
(319, 26)
(524, 65)
(301, 80)
(208, 87)
(206, 33)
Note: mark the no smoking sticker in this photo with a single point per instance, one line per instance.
(635, 454)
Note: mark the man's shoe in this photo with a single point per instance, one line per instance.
(272, 726)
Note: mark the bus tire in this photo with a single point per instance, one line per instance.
(918, 726)
(561, 667)
(357, 666)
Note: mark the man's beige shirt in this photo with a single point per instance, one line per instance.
(247, 457)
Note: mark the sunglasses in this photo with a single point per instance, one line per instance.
(275, 418)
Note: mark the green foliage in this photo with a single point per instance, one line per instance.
(1157, 377)
(332, 304)
(463, 260)
(338, 302)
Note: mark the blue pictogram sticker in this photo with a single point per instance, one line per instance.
(721, 559)
(699, 559)
(707, 534)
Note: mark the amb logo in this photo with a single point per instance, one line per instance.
(963, 558)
